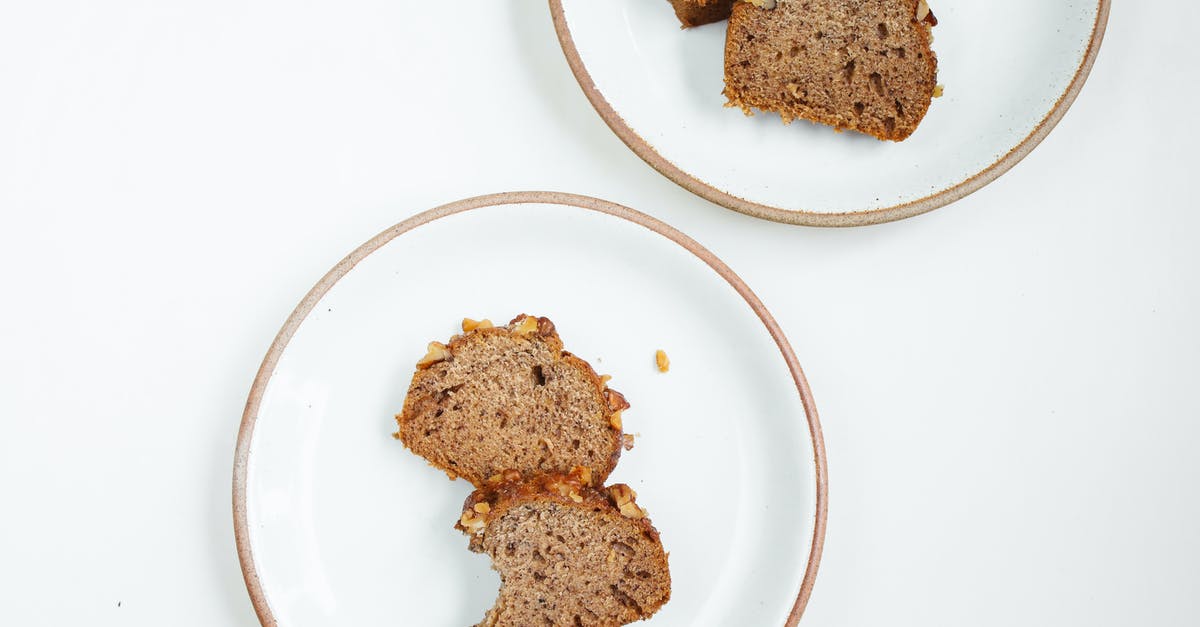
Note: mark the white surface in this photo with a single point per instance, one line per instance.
(350, 529)
(1007, 385)
(1004, 64)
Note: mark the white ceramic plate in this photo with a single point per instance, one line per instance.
(337, 524)
(1010, 70)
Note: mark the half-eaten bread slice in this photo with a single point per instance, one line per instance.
(567, 553)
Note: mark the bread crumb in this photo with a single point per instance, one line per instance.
(938, 90)
(660, 358)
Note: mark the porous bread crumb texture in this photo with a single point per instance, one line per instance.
(564, 561)
(510, 398)
(863, 65)
(699, 12)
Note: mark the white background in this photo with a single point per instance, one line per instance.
(1008, 385)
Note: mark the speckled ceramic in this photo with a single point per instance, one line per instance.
(1010, 69)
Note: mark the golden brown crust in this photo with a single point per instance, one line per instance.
(574, 489)
(418, 403)
(835, 62)
(699, 12)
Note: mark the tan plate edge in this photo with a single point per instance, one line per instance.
(951, 194)
(266, 370)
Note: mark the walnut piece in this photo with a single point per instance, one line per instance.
(469, 325)
(436, 352)
(472, 523)
(583, 473)
(616, 401)
(568, 488)
(621, 494)
(924, 14)
(623, 497)
(526, 326)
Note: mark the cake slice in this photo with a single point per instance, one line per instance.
(567, 553)
(863, 65)
(697, 12)
(496, 398)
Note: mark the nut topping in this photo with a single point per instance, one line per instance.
(616, 401)
(583, 473)
(623, 497)
(469, 325)
(436, 352)
(924, 14)
(472, 523)
(526, 326)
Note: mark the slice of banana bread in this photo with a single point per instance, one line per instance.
(863, 65)
(697, 12)
(567, 553)
(496, 398)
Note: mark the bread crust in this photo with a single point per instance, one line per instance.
(699, 12)
(511, 488)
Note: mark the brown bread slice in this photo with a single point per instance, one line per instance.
(697, 12)
(863, 65)
(567, 553)
(496, 398)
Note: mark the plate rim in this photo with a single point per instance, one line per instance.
(265, 371)
(699, 187)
